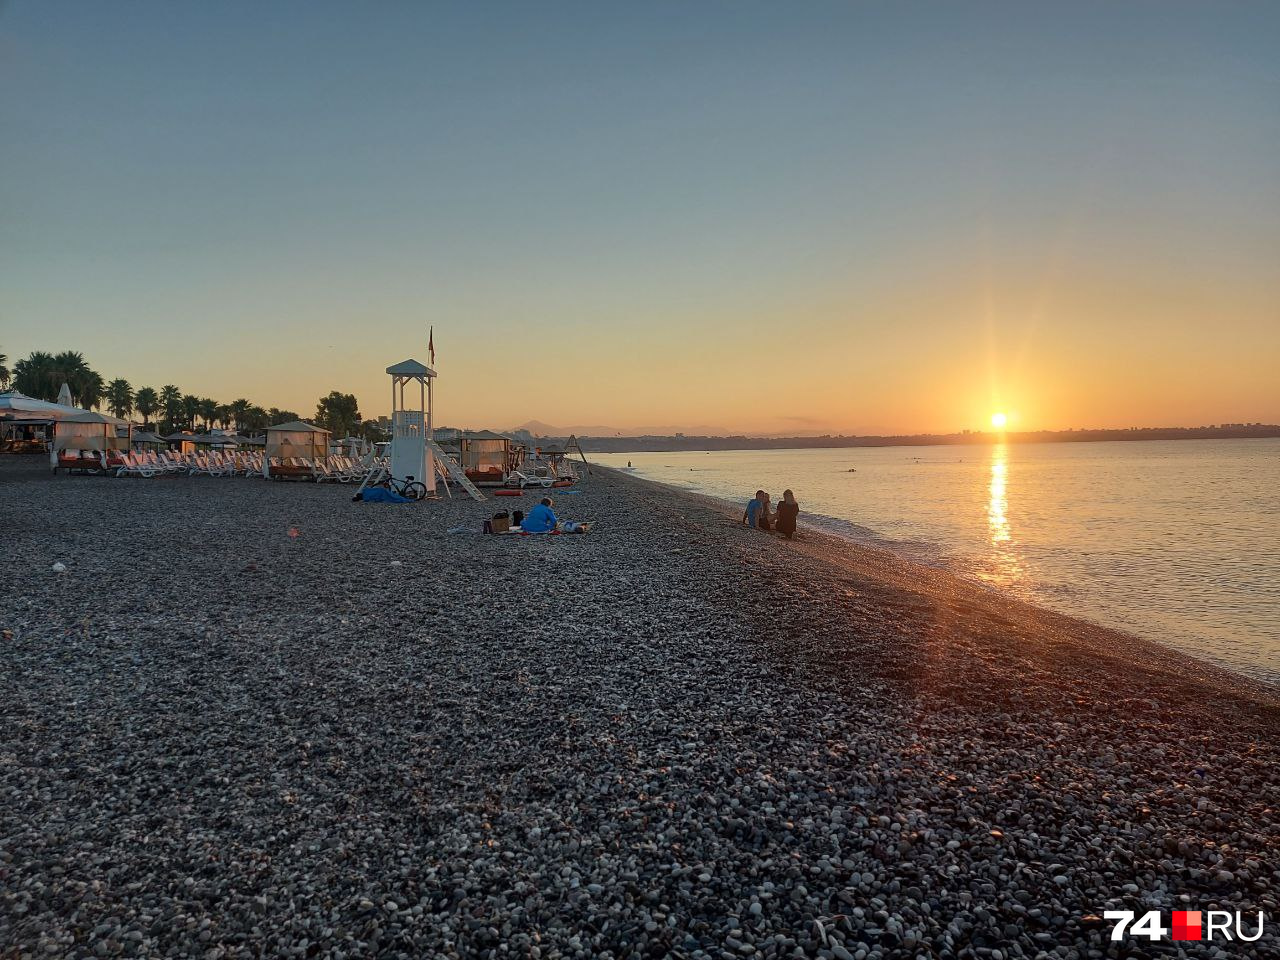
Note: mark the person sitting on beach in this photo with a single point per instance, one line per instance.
(540, 519)
(764, 519)
(753, 509)
(786, 515)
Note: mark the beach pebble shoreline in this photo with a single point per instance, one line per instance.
(250, 718)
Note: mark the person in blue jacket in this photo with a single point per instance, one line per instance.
(540, 519)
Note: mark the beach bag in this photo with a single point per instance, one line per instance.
(517, 518)
(500, 523)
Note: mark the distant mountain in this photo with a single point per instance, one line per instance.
(540, 429)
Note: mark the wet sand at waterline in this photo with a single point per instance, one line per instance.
(255, 718)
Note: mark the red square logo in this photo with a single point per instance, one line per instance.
(1186, 925)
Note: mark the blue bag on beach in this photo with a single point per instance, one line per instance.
(383, 495)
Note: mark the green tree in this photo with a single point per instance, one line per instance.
(92, 388)
(119, 396)
(239, 411)
(87, 385)
(256, 419)
(190, 410)
(339, 413)
(4, 371)
(208, 411)
(276, 415)
(147, 402)
(34, 375)
(171, 404)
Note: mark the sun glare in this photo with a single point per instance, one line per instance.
(999, 420)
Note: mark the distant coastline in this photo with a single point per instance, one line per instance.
(654, 444)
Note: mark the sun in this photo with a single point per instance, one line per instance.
(999, 420)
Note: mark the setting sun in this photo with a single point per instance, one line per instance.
(999, 420)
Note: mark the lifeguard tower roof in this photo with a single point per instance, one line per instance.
(410, 368)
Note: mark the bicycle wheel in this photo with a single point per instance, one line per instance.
(414, 491)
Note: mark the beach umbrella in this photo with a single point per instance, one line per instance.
(64, 397)
(19, 406)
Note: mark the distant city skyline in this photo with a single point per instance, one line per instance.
(827, 217)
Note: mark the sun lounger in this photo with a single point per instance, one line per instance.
(293, 468)
(132, 465)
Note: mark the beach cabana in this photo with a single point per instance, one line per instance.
(486, 457)
(296, 440)
(88, 440)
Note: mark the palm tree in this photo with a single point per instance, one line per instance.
(208, 411)
(4, 371)
(147, 402)
(171, 403)
(92, 387)
(190, 410)
(71, 368)
(256, 419)
(119, 397)
(239, 410)
(34, 375)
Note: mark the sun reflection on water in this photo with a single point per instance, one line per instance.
(1004, 567)
(998, 500)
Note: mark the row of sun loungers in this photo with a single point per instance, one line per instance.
(170, 463)
(333, 469)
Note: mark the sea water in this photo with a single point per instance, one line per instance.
(1176, 541)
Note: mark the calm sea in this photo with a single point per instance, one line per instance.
(1175, 541)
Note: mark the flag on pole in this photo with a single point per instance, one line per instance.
(431, 345)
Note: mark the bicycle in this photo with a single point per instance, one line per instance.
(408, 488)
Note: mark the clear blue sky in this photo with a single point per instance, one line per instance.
(753, 216)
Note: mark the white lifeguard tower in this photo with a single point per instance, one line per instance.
(411, 425)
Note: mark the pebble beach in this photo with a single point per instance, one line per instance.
(255, 719)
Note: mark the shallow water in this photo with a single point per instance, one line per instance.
(1175, 541)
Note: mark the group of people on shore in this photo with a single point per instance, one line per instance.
(761, 516)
